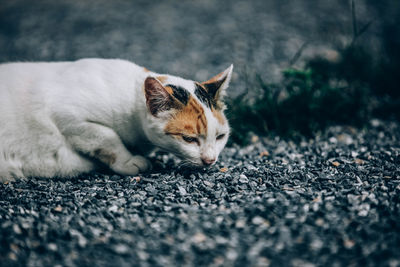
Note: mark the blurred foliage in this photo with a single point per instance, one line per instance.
(344, 91)
(351, 89)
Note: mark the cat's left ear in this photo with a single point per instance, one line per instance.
(216, 86)
(158, 99)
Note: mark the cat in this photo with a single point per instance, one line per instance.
(62, 119)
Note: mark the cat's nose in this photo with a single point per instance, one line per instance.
(208, 161)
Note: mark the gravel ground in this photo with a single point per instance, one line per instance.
(332, 200)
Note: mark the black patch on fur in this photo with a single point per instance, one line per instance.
(204, 96)
(180, 93)
(212, 88)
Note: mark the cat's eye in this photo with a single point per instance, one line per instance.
(190, 139)
(219, 137)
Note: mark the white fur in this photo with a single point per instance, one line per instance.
(56, 117)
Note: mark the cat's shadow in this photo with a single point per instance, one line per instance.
(160, 167)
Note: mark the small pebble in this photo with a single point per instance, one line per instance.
(243, 179)
(254, 213)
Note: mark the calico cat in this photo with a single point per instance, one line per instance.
(67, 118)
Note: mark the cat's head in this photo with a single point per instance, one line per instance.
(186, 117)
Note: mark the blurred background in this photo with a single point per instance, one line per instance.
(299, 65)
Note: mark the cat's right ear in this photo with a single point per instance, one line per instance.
(158, 99)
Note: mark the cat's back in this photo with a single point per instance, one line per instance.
(22, 74)
(36, 90)
(20, 80)
(23, 88)
(33, 82)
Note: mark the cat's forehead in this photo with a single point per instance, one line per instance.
(182, 88)
(188, 85)
(195, 120)
(196, 117)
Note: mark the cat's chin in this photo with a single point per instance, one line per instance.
(192, 168)
(195, 165)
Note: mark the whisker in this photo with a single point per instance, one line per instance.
(166, 149)
(189, 164)
(185, 162)
(176, 153)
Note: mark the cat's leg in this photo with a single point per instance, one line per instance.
(6, 176)
(103, 143)
(10, 170)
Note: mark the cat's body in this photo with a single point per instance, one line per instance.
(62, 119)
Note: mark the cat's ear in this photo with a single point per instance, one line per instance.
(217, 85)
(158, 99)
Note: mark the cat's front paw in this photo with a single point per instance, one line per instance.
(6, 177)
(142, 163)
(133, 166)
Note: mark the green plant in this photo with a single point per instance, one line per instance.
(351, 90)
(306, 101)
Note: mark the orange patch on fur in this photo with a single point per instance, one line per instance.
(169, 90)
(190, 120)
(162, 79)
(213, 79)
(146, 70)
(188, 128)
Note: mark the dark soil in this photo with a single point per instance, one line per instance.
(331, 200)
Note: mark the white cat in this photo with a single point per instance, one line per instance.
(63, 119)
